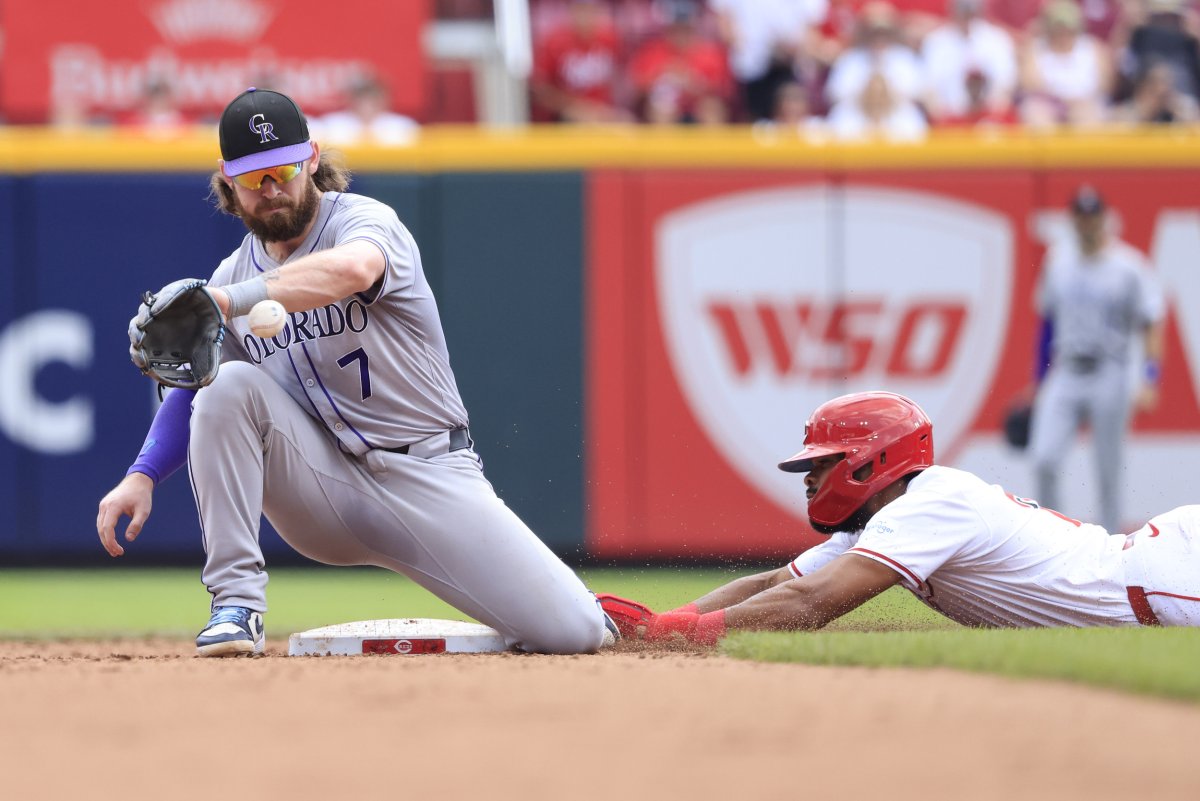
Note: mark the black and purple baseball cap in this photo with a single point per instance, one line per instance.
(262, 128)
(1087, 201)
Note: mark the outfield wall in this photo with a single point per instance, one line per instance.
(638, 322)
(503, 253)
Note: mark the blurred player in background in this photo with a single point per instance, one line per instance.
(968, 549)
(1102, 314)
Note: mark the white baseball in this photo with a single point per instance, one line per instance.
(267, 318)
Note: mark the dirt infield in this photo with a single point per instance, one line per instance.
(146, 720)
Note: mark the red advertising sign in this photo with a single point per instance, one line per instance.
(725, 306)
(67, 57)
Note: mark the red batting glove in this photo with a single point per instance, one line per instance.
(631, 618)
(636, 621)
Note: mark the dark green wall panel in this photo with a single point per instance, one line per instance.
(509, 252)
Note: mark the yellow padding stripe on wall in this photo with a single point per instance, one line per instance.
(453, 148)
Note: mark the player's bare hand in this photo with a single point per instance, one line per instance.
(222, 299)
(1146, 399)
(131, 498)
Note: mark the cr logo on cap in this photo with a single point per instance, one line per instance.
(264, 129)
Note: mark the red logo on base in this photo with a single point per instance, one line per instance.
(404, 646)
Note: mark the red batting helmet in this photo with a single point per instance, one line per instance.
(882, 429)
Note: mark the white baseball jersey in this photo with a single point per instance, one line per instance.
(1099, 305)
(1162, 566)
(983, 557)
(818, 556)
(373, 367)
(948, 56)
(760, 24)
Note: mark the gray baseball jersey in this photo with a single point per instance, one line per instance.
(374, 367)
(1099, 305)
(347, 431)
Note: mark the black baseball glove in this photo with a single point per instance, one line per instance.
(176, 336)
(1018, 421)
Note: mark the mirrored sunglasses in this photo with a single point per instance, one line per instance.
(281, 175)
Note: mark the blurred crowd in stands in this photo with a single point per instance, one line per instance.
(866, 68)
(843, 69)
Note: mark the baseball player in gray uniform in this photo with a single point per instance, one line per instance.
(1096, 297)
(345, 429)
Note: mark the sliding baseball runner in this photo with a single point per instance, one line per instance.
(968, 549)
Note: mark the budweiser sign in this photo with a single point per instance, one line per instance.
(765, 317)
(99, 58)
(84, 75)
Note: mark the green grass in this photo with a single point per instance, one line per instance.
(894, 630)
(1150, 661)
(127, 602)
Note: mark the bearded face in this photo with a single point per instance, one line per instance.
(855, 522)
(281, 219)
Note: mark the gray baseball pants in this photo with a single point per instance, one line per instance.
(1065, 401)
(433, 517)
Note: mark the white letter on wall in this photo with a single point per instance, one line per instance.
(27, 345)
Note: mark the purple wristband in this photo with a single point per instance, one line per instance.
(165, 448)
(1044, 344)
